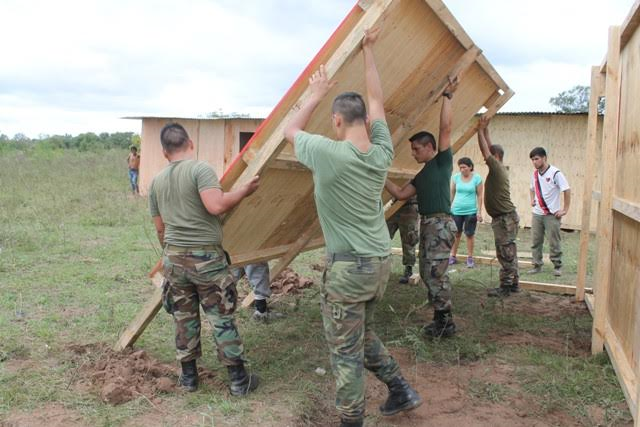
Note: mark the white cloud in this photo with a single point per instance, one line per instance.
(76, 65)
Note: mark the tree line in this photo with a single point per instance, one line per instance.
(83, 142)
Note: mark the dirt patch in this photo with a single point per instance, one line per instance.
(546, 305)
(547, 339)
(290, 282)
(49, 415)
(120, 377)
(483, 393)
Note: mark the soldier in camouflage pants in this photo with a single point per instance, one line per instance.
(437, 234)
(349, 292)
(406, 220)
(505, 231)
(200, 276)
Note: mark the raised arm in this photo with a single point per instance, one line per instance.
(480, 196)
(217, 202)
(400, 193)
(320, 86)
(446, 116)
(375, 97)
(483, 137)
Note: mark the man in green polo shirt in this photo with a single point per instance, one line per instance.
(349, 175)
(185, 200)
(504, 218)
(437, 228)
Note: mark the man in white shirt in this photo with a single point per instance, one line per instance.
(547, 182)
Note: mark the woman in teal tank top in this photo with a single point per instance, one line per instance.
(466, 209)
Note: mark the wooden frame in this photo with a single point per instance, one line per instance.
(615, 305)
(420, 47)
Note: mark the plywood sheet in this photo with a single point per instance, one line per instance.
(420, 45)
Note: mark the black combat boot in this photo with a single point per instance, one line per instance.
(351, 423)
(503, 291)
(242, 383)
(408, 271)
(442, 325)
(401, 397)
(189, 377)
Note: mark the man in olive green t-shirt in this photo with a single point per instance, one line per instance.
(185, 200)
(437, 228)
(505, 221)
(349, 175)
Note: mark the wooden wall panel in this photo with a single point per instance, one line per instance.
(211, 144)
(416, 52)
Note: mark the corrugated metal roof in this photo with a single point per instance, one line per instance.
(192, 118)
(540, 113)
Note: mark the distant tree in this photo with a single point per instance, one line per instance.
(575, 100)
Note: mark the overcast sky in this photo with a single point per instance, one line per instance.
(76, 66)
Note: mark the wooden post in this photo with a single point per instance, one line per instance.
(609, 148)
(590, 166)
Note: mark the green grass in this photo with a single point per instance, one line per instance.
(75, 250)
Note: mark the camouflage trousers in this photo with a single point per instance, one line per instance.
(437, 235)
(349, 293)
(406, 220)
(505, 232)
(201, 277)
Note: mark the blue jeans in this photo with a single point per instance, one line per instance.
(133, 179)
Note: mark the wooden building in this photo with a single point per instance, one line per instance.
(217, 141)
(563, 135)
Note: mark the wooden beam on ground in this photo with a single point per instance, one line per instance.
(552, 288)
(597, 82)
(605, 223)
(289, 256)
(482, 260)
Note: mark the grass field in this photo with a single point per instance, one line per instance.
(75, 250)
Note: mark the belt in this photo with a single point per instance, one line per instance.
(502, 214)
(174, 248)
(436, 215)
(353, 258)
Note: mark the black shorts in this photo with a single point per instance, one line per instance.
(467, 223)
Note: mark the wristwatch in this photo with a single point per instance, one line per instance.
(447, 94)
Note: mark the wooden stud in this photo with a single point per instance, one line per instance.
(141, 321)
(627, 208)
(466, 60)
(609, 148)
(624, 371)
(473, 128)
(630, 25)
(589, 178)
